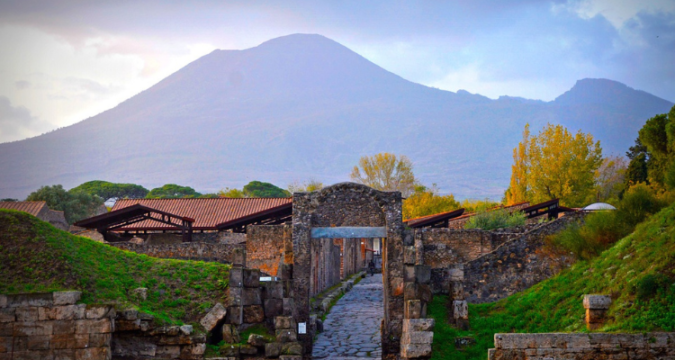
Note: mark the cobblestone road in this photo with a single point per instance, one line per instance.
(352, 328)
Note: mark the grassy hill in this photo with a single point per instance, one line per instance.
(36, 257)
(638, 272)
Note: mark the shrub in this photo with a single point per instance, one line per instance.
(649, 285)
(637, 204)
(495, 219)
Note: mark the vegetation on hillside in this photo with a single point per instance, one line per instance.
(36, 257)
(386, 172)
(107, 190)
(172, 191)
(255, 189)
(427, 201)
(487, 219)
(638, 272)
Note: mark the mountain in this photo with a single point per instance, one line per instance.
(304, 106)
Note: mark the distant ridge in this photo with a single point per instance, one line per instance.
(304, 106)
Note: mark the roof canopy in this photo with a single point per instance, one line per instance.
(436, 220)
(31, 207)
(599, 206)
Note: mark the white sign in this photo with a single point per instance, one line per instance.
(302, 328)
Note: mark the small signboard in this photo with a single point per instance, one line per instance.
(302, 328)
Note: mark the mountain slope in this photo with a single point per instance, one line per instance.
(300, 107)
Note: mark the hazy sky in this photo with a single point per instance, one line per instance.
(63, 61)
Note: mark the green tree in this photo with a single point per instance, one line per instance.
(75, 206)
(556, 164)
(385, 171)
(426, 201)
(231, 193)
(172, 191)
(610, 179)
(108, 190)
(518, 190)
(261, 189)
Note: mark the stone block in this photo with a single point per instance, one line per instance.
(3, 301)
(186, 329)
(215, 315)
(424, 292)
(239, 257)
(24, 314)
(70, 341)
(422, 274)
(410, 292)
(293, 348)
(7, 315)
(284, 322)
(251, 278)
(457, 290)
(409, 255)
(251, 296)
(413, 309)
(42, 342)
(99, 312)
(64, 327)
(236, 277)
(410, 325)
(463, 342)
(286, 271)
(417, 337)
(32, 355)
(64, 354)
(460, 309)
(230, 334)
(456, 274)
(139, 294)
(36, 299)
(168, 352)
(99, 340)
(257, 340)
(67, 297)
(192, 352)
(274, 307)
(32, 329)
(129, 314)
(595, 316)
(415, 351)
(272, 350)
(409, 274)
(6, 329)
(100, 353)
(101, 326)
(127, 325)
(230, 350)
(286, 335)
(287, 286)
(247, 350)
(273, 290)
(597, 302)
(235, 315)
(67, 312)
(6, 344)
(254, 314)
(235, 295)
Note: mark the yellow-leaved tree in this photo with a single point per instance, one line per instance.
(427, 201)
(554, 164)
(385, 171)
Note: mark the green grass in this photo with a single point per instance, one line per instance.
(638, 272)
(36, 257)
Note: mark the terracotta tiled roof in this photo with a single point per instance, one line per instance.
(207, 212)
(31, 207)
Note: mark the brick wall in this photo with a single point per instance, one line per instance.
(54, 326)
(214, 252)
(515, 265)
(583, 346)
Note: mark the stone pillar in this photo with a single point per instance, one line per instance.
(596, 306)
(459, 313)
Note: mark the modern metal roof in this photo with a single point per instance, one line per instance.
(599, 206)
(209, 214)
(31, 207)
(433, 219)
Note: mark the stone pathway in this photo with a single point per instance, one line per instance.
(352, 328)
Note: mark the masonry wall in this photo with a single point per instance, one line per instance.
(515, 265)
(446, 249)
(266, 245)
(583, 346)
(215, 252)
(54, 326)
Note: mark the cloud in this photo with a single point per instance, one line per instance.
(22, 84)
(17, 123)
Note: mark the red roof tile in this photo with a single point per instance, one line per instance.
(207, 212)
(31, 207)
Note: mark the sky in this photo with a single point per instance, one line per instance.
(65, 61)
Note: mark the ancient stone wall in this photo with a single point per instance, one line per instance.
(54, 326)
(215, 252)
(583, 346)
(266, 246)
(515, 265)
(350, 204)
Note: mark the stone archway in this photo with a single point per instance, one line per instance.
(361, 209)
